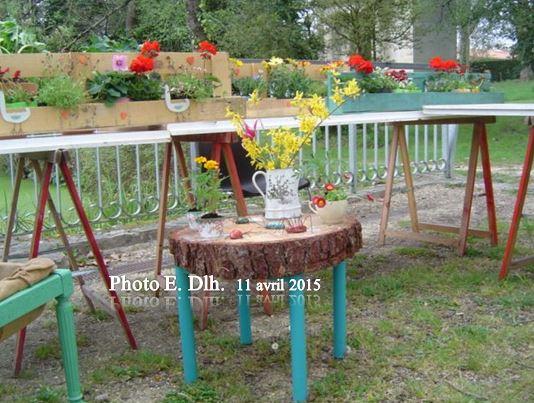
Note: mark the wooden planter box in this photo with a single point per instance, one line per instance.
(270, 108)
(121, 115)
(412, 101)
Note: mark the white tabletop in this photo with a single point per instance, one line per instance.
(480, 110)
(54, 142)
(102, 139)
(221, 126)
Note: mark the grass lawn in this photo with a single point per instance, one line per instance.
(508, 136)
(26, 204)
(423, 325)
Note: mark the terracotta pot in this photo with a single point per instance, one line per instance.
(333, 212)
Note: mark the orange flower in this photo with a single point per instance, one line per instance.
(190, 60)
(319, 201)
(329, 187)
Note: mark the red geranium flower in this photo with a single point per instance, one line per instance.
(361, 65)
(150, 49)
(435, 63)
(142, 64)
(366, 67)
(207, 49)
(449, 66)
(319, 201)
(329, 187)
(355, 60)
(16, 75)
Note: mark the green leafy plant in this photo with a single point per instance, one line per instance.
(145, 87)
(187, 85)
(377, 82)
(109, 87)
(17, 93)
(207, 191)
(447, 82)
(285, 81)
(15, 39)
(330, 193)
(245, 86)
(103, 43)
(407, 88)
(61, 92)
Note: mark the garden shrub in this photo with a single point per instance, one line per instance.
(501, 70)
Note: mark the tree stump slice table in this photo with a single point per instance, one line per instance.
(263, 253)
(267, 254)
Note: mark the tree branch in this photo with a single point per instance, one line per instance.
(96, 24)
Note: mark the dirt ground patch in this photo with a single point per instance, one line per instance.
(423, 324)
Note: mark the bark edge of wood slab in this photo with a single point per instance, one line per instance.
(278, 255)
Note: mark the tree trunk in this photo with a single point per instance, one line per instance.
(130, 17)
(192, 20)
(526, 73)
(465, 45)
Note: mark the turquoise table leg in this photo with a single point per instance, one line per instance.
(340, 310)
(299, 371)
(69, 351)
(187, 333)
(243, 306)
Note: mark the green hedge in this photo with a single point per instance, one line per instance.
(501, 69)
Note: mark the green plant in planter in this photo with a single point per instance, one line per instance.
(18, 93)
(187, 85)
(109, 87)
(61, 92)
(145, 87)
(407, 88)
(377, 82)
(285, 81)
(245, 86)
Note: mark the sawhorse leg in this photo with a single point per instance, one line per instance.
(13, 209)
(96, 250)
(63, 235)
(479, 144)
(518, 211)
(60, 159)
(34, 252)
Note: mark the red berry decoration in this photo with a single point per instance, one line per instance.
(236, 234)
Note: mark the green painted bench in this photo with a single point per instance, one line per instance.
(56, 286)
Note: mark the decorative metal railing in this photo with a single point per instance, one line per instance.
(122, 183)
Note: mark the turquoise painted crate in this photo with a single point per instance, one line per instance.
(411, 101)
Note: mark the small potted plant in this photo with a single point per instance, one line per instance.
(204, 216)
(332, 205)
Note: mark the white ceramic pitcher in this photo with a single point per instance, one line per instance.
(281, 193)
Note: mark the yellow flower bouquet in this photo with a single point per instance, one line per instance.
(280, 146)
